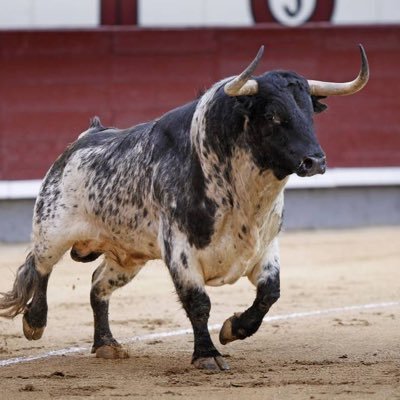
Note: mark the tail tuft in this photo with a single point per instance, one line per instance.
(14, 302)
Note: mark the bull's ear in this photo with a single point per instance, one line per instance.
(317, 105)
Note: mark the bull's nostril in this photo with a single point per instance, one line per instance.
(311, 166)
(308, 163)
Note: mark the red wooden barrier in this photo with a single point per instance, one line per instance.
(52, 82)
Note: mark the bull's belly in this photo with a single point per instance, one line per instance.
(127, 248)
(122, 254)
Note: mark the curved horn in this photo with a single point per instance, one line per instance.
(242, 85)
(320, 88)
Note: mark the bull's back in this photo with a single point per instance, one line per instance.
(99, 188)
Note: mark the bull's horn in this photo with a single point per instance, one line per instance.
(242, 85)
(319, 88)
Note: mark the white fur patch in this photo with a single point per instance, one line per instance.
(249, 209)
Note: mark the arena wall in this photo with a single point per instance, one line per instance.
(53, 81)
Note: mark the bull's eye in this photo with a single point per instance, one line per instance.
(274, 119)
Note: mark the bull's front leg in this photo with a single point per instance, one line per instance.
(266, 276)
(197, 305)
(195, 301)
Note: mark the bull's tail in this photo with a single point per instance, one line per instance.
(26, 282)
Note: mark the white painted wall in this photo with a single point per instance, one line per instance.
(19, 14)
(194, 13)
(366, 12)
(154, 13)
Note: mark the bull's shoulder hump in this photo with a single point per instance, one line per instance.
(181, 114)
(172, 130)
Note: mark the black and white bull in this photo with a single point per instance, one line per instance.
(201, 187)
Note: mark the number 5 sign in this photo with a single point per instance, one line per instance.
(292, 12)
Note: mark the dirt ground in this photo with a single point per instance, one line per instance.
(342, 354)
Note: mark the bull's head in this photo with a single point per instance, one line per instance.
(279, 108)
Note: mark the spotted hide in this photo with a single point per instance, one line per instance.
(201, 187)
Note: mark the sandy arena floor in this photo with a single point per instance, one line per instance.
(336, 354)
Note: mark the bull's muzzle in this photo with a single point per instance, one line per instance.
(311, 166)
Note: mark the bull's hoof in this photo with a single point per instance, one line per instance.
(226, 334)
(31, 333)
(211, 363)
(111, 352)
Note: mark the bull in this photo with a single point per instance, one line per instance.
(201, 187)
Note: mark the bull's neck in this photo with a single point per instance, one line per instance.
(232, 178)
(243, 186)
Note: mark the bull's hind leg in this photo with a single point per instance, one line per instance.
(35, 315)
(31, 284)
(243, 325)
(106, 278)
(34, 320)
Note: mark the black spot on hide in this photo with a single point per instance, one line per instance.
(230, 199)
(184, 260)
(122, 279)
(167, 252)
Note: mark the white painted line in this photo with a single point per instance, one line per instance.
(348, 177)
(333, 178)
(212, 328)
(61, 352)
(24, 189)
